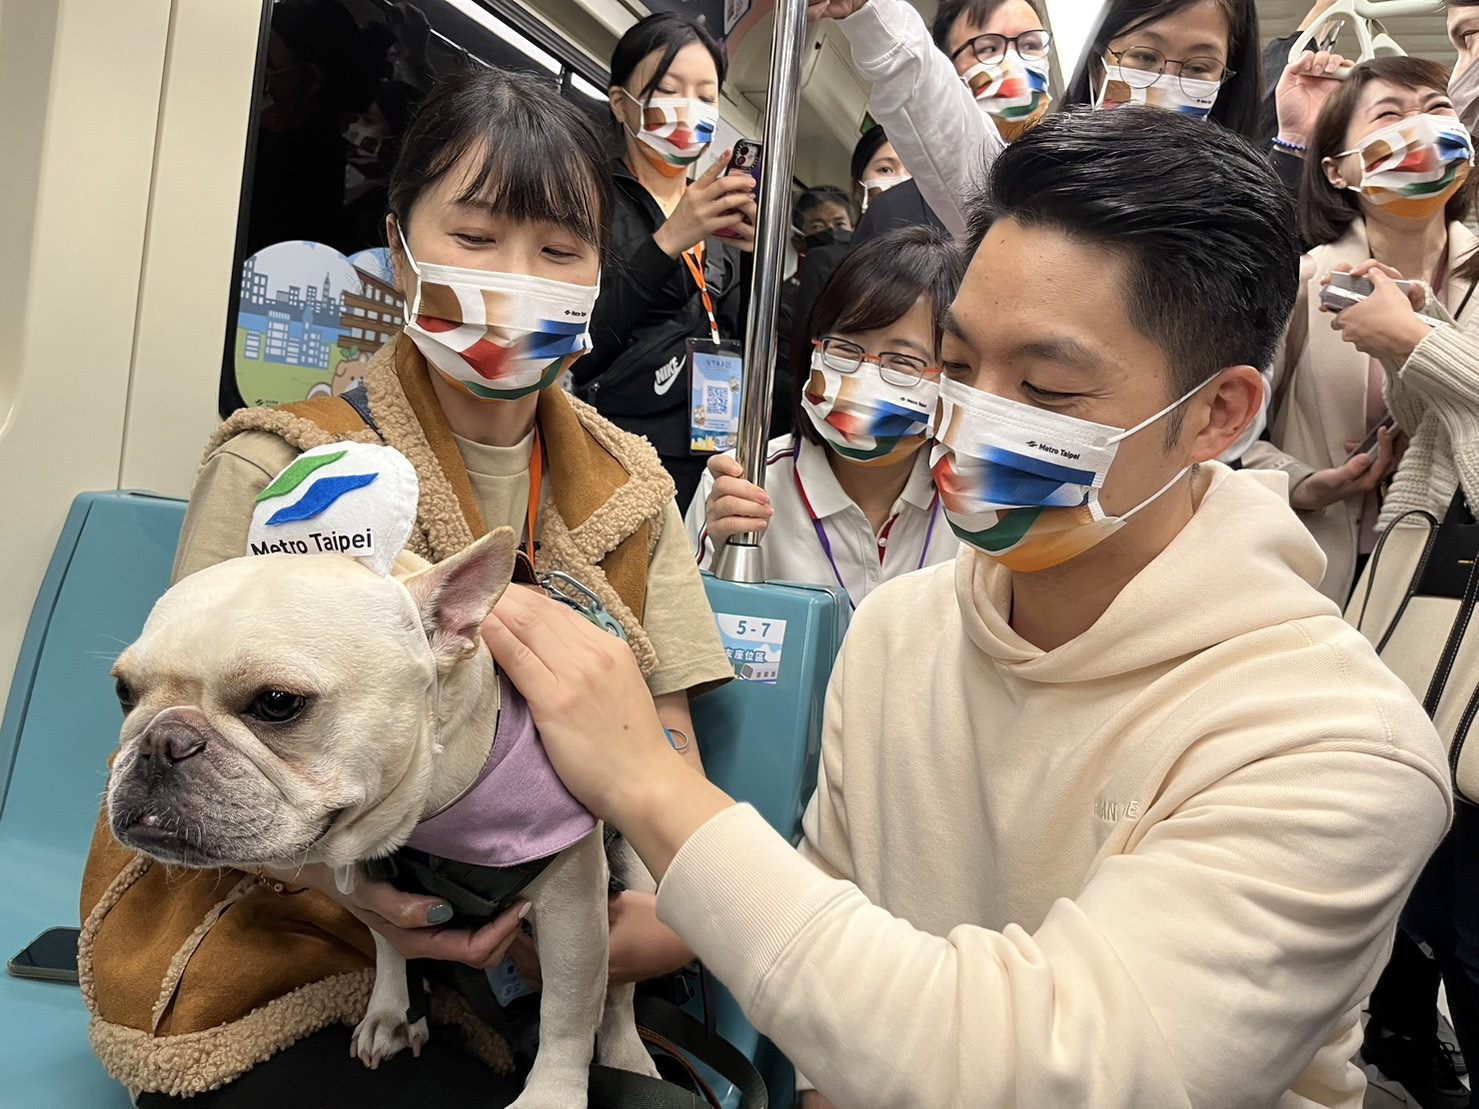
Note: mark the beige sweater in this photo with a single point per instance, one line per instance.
(1435, 398)
(1158, 866)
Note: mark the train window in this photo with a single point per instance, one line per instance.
(336, 83)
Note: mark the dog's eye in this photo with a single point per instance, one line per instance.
(276, 707)
(125, 696)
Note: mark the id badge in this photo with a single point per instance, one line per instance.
(715, 370)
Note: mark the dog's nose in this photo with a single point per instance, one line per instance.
(172, 740)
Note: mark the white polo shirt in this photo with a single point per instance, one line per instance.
(813, 513)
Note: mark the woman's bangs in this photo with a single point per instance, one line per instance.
(528, 177)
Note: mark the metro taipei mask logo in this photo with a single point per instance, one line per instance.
(353, 499)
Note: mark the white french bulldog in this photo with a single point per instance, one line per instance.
(290, 710)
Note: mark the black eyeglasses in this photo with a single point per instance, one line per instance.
(991, 49)
(1142, 66)
(896, 369)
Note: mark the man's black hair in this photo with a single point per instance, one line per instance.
(1203, 224)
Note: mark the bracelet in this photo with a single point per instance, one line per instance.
(671, 732)
(282, 889)
(1290, 147)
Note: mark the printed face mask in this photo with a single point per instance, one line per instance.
(1014, 93)
(1414, 166)
(1186, 95)
(1021, 484)
(1463, 90)
(676, 130)
(863, 417)
(498, 336)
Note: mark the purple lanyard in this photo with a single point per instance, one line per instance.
(826, 543)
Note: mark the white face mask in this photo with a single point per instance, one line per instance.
(874, 187)
(1021, 484)
(497, 336)
(1187, 95)
(676, 129)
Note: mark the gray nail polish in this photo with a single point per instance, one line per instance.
(439, 913)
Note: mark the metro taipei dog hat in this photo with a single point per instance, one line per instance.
(353, 499)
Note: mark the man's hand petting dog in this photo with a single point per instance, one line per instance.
(599, 725)
(412, 923)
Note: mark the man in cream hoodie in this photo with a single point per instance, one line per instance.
(1116, 811)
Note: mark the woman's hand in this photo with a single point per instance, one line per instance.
(411, 922)
(1302, 91)
(1355, 478)
(1417, 291)
(735, 506)
(832, 9)
(642, 947)
(1385, 324)
(599, 725)
(712, 203)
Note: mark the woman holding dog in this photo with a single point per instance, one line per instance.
(222, 989)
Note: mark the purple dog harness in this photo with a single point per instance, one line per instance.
(517, 811)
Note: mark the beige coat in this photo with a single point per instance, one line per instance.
(1319, 405)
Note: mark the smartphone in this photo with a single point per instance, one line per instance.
(1369, 443)
(1344, 290)
(50, 957)
(745, 159)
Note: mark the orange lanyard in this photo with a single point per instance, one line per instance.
(536, 484)
(695, 260)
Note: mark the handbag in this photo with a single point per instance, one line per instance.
(1415, 604)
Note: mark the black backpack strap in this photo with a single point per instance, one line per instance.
(660, 1023)
(673, 1025)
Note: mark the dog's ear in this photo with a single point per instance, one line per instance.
(456, 595)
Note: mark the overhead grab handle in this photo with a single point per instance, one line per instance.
(740, 558)
(1374, 42)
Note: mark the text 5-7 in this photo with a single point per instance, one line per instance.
(752, 627)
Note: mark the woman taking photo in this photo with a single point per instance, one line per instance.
(670, 279)
(849, 499)
(1384, 181)
(213, 988)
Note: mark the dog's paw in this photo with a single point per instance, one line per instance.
(627, 1053)
(382, 1035)
(559, 1094)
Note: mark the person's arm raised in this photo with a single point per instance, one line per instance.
(929, 114)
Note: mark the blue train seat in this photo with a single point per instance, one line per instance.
(61, 722)
(761, 739)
